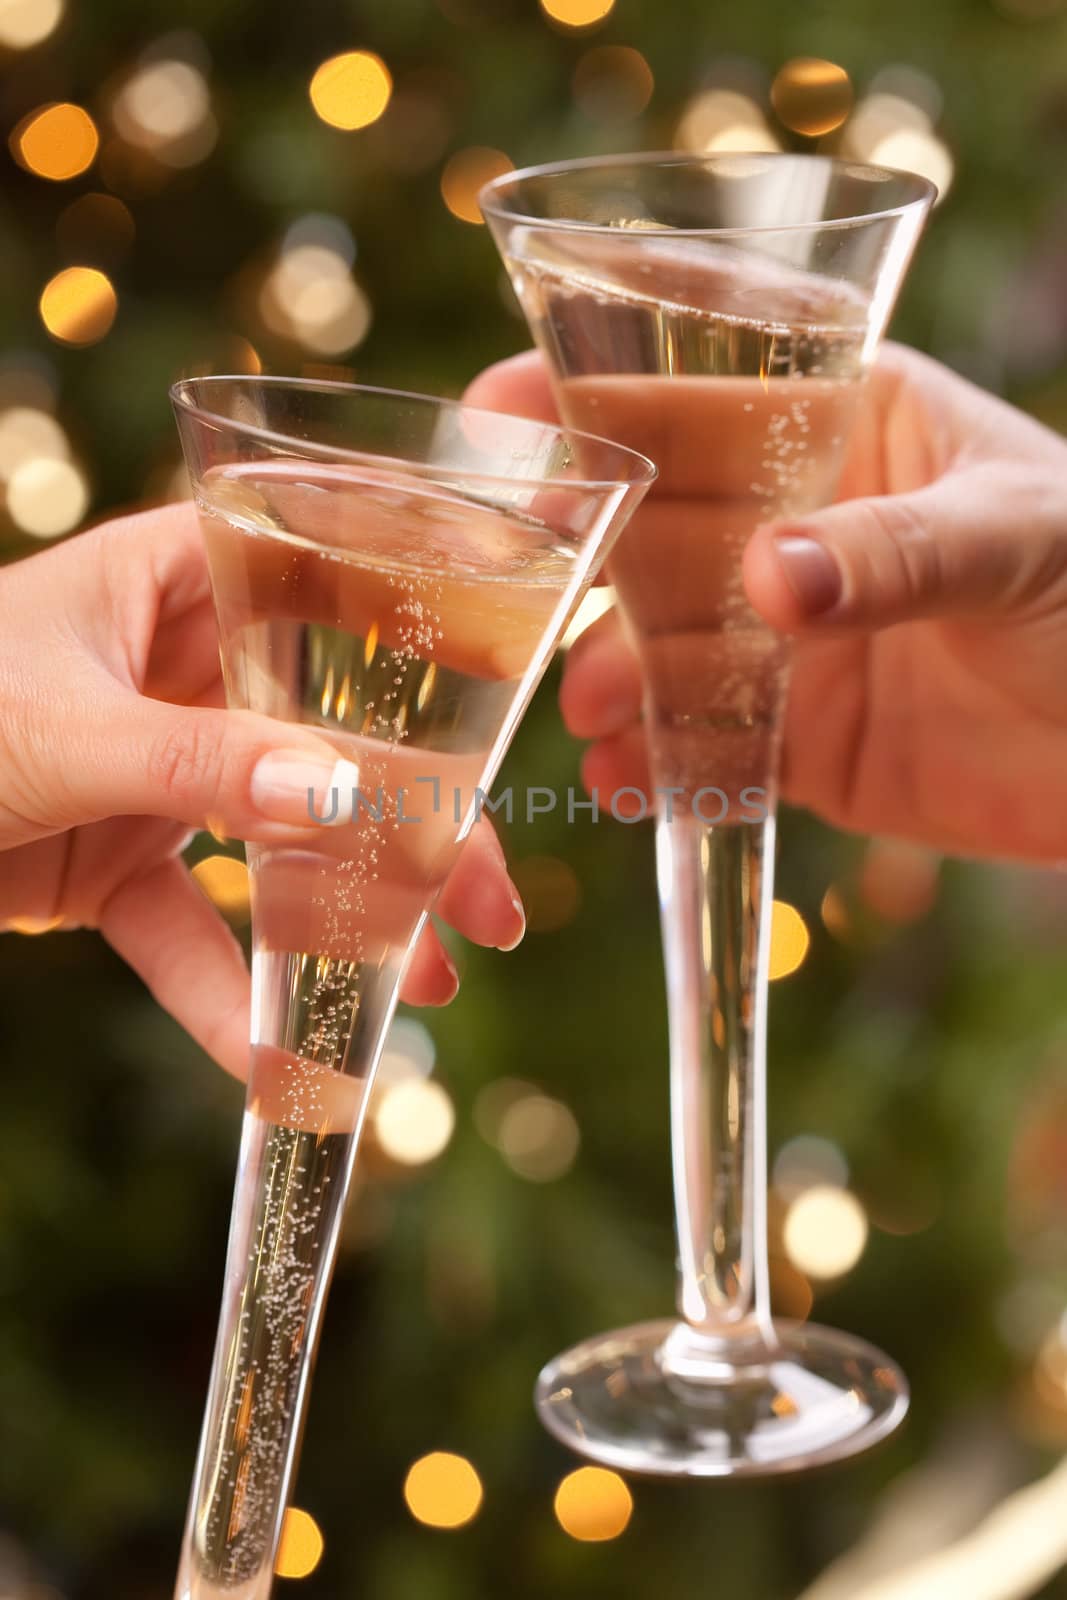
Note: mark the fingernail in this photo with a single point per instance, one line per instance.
(520, 914)
(450, 968)
(811, 572)
(296, 787)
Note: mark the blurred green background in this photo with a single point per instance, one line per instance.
(214, 220)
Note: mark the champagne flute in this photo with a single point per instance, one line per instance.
(390, 573)
(719, 313)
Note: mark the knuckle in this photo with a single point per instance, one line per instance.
(905, 556)
(186, 761)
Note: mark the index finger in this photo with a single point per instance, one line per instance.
(520, 385)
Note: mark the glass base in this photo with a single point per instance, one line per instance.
(659, 1398)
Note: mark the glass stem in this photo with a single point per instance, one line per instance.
(716, 892)
(294, 1173)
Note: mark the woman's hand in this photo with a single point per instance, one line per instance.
(929, 609)
(114, 747)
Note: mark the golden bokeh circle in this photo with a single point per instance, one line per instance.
(593, 1505)
(57, 142)
(300, 1546)
(78, 305)
(465, 173)
(443, 1490)
(577, 13)
(812, 96)
(352, 90)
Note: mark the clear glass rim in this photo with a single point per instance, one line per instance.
(492, 204)
(639, 469)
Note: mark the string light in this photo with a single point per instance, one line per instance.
(593, 1505)
(78, 305)
(57, 142)
(443, 1490)
(46, 498)
(165, 109)
(352, 90)
(465, 173)
(538, 1138)
(414, 1121)
(613, 83)
(224, 880)
(825, 1231)
(300, 1546)
(790, 940)
(577, 13)
(812, 96)
(24, 23)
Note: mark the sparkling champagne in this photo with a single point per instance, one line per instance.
(654, 343)
(398, 621)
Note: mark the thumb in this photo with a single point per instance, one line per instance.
(983, 541)
(243, 775)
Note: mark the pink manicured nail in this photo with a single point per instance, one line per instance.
(811, 572)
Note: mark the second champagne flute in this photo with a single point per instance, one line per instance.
(718, 313)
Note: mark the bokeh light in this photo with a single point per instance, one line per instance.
(24, 23)
(78, 305)
(46, 497)
(413, 134)
(310, 296)
(538, 1137)
(414, 1121)
(492, 1102)
(165, 109)
(352, 90)
(593, 1505)
(723, 119)
(791, 1293)
(27, 434)
(902, 81)
(807, 1162)
(409, 1052)
(833, 909)
(577, 13)
(300, 1546)
(443, 1490)
(224, 880)
(465, 173)
(812, 96)
(899, 880)
(612, 83)
(917, 150)
(790, 940)
(96, 228)
(550, 890)
(825, 1231)
(57, 142)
